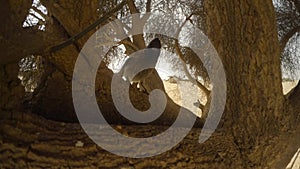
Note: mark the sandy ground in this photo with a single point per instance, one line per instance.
(194, 94)
(288, 86)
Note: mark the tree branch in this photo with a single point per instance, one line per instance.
(39, 12)
(288, 36)
(196, 82)
(148, 6)
(138, 40)
(148, 9)
(133, 9)
(104, 18)
(181, 56)
(129, 45)
(297, 5)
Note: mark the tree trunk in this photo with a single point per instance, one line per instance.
(244, 34)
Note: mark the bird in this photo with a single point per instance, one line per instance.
(155, 43)
(131, 70)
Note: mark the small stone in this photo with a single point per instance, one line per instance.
(79, 144)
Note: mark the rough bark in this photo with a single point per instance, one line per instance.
(53, 98)
(12, 92)
(244, 34)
